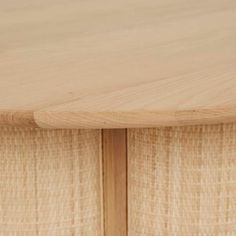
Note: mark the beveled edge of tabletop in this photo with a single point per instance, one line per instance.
(109, 119)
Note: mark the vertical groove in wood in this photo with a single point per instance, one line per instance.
(115, 182)
(101, 182)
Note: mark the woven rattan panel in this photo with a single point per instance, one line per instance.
(49, 182)
(182, 181)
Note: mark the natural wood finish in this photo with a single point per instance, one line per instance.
(115, 182)
(17, 118)
(133, 63)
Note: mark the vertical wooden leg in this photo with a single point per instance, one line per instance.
(115, 182)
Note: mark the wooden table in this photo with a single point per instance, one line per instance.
(117, 64)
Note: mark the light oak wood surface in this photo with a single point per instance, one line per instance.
(115, 64)
(115, 182)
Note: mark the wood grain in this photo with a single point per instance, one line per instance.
(17, 118)
(133, 63)
(115, 182)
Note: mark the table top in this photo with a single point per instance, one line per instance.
(113, 64)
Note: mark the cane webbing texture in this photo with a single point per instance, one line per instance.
(182, 181)
(50, 182)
